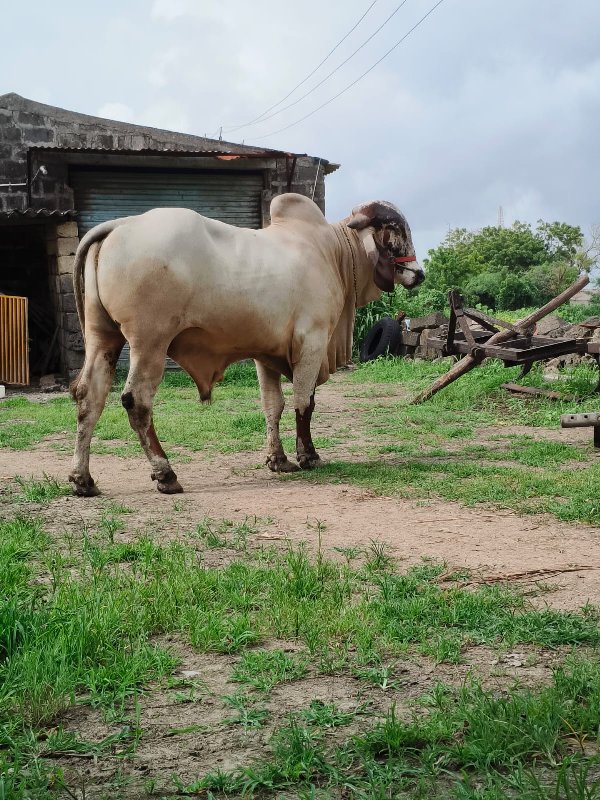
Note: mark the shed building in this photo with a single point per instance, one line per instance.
(62, 172)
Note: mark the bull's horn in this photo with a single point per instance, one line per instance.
(359, 221)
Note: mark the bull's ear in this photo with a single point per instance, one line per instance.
(370, 248)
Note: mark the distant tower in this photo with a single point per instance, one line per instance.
(500, 217)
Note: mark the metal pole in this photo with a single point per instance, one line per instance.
(312, 197)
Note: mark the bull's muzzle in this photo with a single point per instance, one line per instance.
(408, 272)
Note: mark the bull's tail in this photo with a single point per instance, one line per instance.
(97, 234)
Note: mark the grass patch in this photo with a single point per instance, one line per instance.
(471, 743)
(422, 456)
(80, 628)
(566, 493)
(40, 491)
(264, 669)
(233, 423)
(436, 445)
(416, 452)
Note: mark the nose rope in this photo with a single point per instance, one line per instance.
(402, 261)
(410, 269)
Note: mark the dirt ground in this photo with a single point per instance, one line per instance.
(491, 543)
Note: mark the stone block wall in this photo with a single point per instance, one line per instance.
(303, 179)
(61, 244)
(25, 124)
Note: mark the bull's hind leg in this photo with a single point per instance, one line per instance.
(273, 403)
(90, 390)
(145, 373)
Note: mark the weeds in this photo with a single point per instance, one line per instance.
(328, 715)
(40, 491)
(249, 715)
(225, 533)
(264, 669)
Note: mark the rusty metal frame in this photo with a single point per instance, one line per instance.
(520, 348)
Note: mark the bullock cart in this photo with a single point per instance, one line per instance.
(514, 344)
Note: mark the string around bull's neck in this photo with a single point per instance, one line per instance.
(347, 237)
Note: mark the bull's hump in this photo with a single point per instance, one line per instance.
(295, 208)
(168, 214)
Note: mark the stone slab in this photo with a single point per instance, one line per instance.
(65, 265)
(433, 320)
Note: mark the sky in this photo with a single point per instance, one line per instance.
(487, 103)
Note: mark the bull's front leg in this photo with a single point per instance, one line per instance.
(306, 372)
(273, 403)
(307, 456)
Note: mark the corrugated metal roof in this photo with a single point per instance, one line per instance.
(37, 213)
(223, 155)
(159, 151)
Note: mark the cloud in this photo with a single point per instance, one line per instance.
(164, 67)
(166, 114)
(525, 204)
(485, 104)
(170, 9)
(116, 111)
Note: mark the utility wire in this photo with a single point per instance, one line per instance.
(310, 74)
(360, 77)
(264, 118)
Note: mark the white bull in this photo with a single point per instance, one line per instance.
(208, 294)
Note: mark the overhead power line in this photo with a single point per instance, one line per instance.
(310, 74)
(354, 82)
(264, 118)
(326, 78)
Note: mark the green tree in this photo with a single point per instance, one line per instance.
(452, 262)
(562, 241)
(509, 267)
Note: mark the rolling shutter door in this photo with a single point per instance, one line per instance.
(100, 195)
(233, 197)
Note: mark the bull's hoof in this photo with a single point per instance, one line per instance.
(281, 463)
(167, 483)
(309, 461)
(83, 487)
(172, 487)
